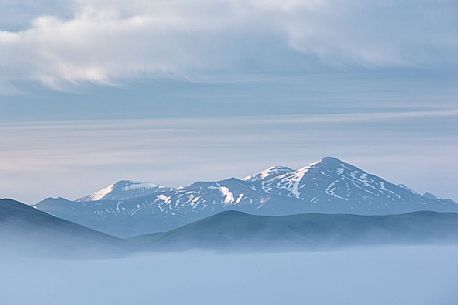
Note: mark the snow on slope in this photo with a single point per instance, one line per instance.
(99, 195)
(124, 190)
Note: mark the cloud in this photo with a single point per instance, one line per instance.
(104, 42)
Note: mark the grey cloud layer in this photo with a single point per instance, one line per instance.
(104, 42)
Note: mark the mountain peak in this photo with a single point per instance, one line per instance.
(123, 190)
(330, 160)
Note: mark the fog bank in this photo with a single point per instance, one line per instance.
(425, 275)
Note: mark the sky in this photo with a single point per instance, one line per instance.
(94, 91)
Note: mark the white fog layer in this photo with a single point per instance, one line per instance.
(423, 275)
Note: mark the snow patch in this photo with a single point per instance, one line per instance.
(165, 198)
(330, 191)
(227, 193)
(296, 179)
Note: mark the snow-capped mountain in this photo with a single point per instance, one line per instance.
(328, 186)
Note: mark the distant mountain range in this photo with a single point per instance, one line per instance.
(129, 208)
(27, 230)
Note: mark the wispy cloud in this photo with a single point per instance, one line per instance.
(170, 124)
(103, 42)
(371, 117)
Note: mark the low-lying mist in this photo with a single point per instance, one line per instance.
(404, 275)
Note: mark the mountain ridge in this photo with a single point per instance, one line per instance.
(235, 230)
(26, 230)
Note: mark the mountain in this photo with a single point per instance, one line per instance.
(233, 230)
(26, 230)
(329, 186)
